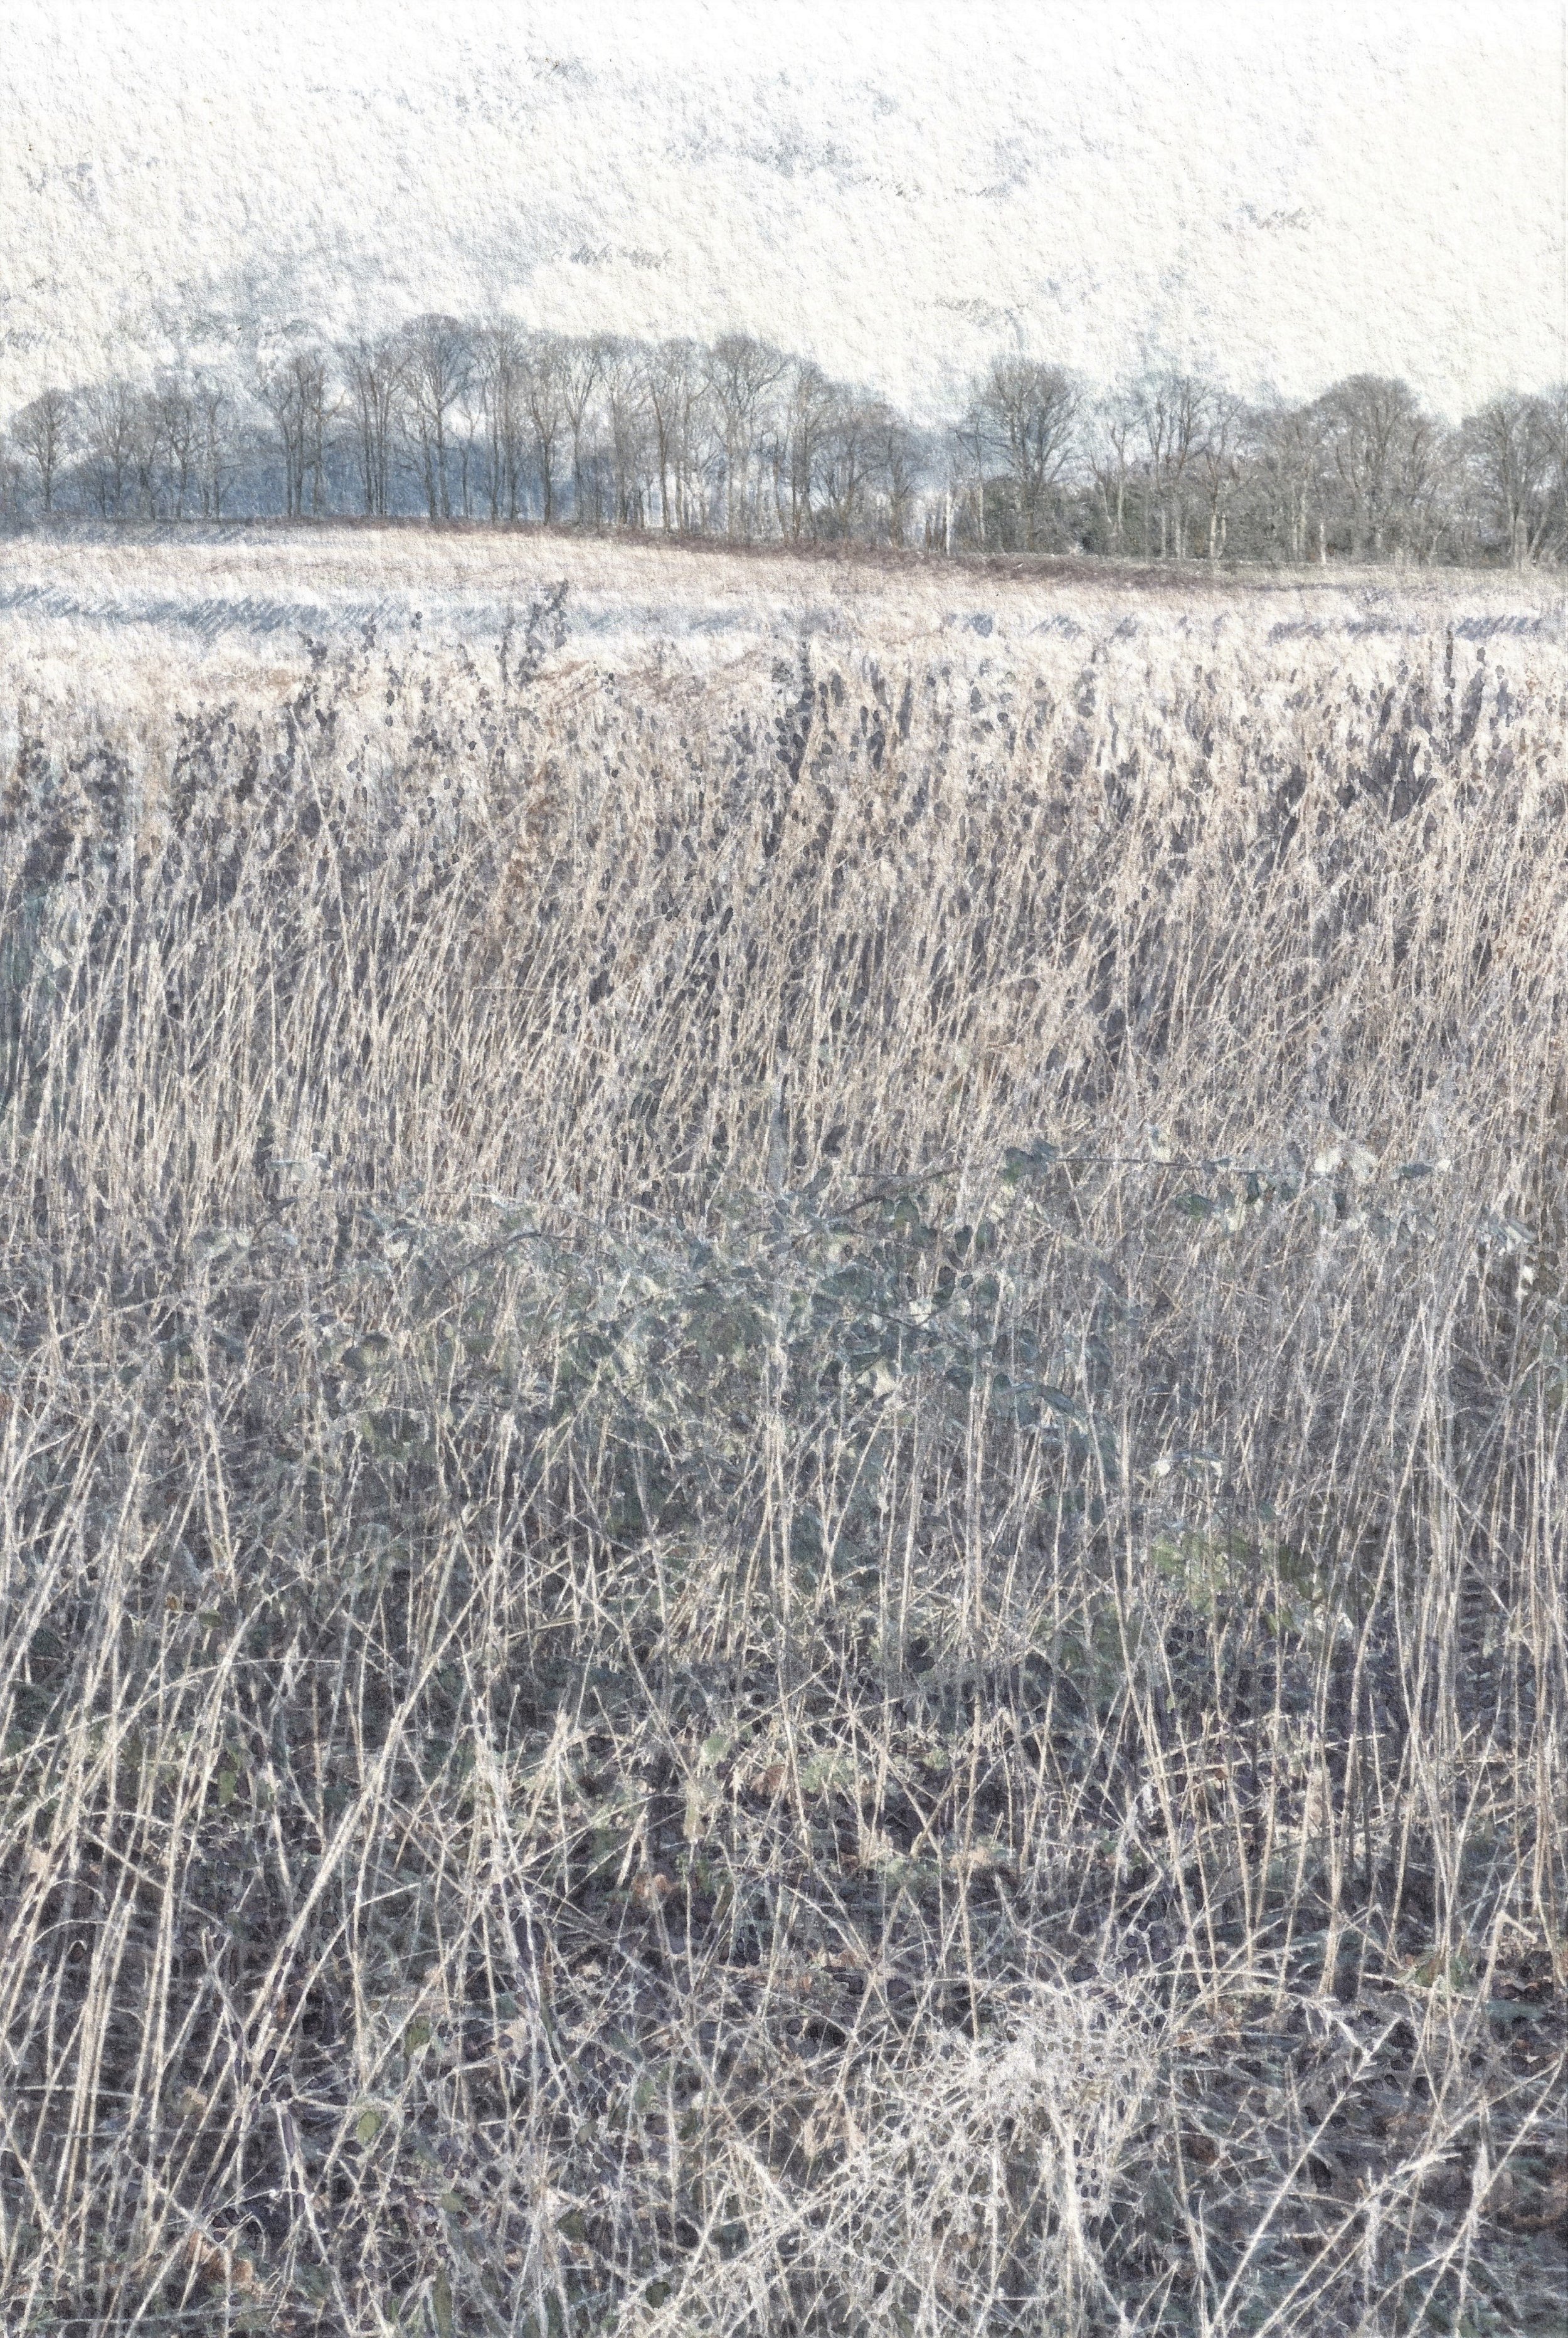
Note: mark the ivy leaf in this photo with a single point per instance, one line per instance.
(1028, 1161)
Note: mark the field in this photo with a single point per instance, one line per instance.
(784, 1388)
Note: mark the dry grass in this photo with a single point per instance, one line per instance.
(196, 605)
(688, 1647)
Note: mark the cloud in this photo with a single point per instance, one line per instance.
(1291, 192)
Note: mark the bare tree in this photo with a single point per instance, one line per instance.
(971, 444)
(739, 436)
(1110, 460)
(1289, 454)
(108, 423)
(12, 487)
(681, 412)
(1384, 449)
(437, 361)
(1030, 412)
(1173, 412)
(631, 434)
(146, 454)
(175, 429)
(1220, 461)
(543, 401)
(470, 429)
(1511, 450)
(499, 361)
(1554, 429)
(42, 434)
(372, 373)
(213, 408)
(808, 412)
(293, 388)
(580, 365)
(675, 389)
(740, 373)
(848, 457)
(896, 465)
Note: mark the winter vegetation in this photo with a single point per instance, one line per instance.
(784, 1369)
(485, 420)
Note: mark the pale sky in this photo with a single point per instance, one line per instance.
(1279, 192)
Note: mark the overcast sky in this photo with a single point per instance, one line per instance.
(1277, 191)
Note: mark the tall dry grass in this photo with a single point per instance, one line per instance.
(782, 1475)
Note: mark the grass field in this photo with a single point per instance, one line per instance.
(783, 1386)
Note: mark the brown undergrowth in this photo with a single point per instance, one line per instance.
(781, 1474)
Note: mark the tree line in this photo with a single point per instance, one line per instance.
(484, 420)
